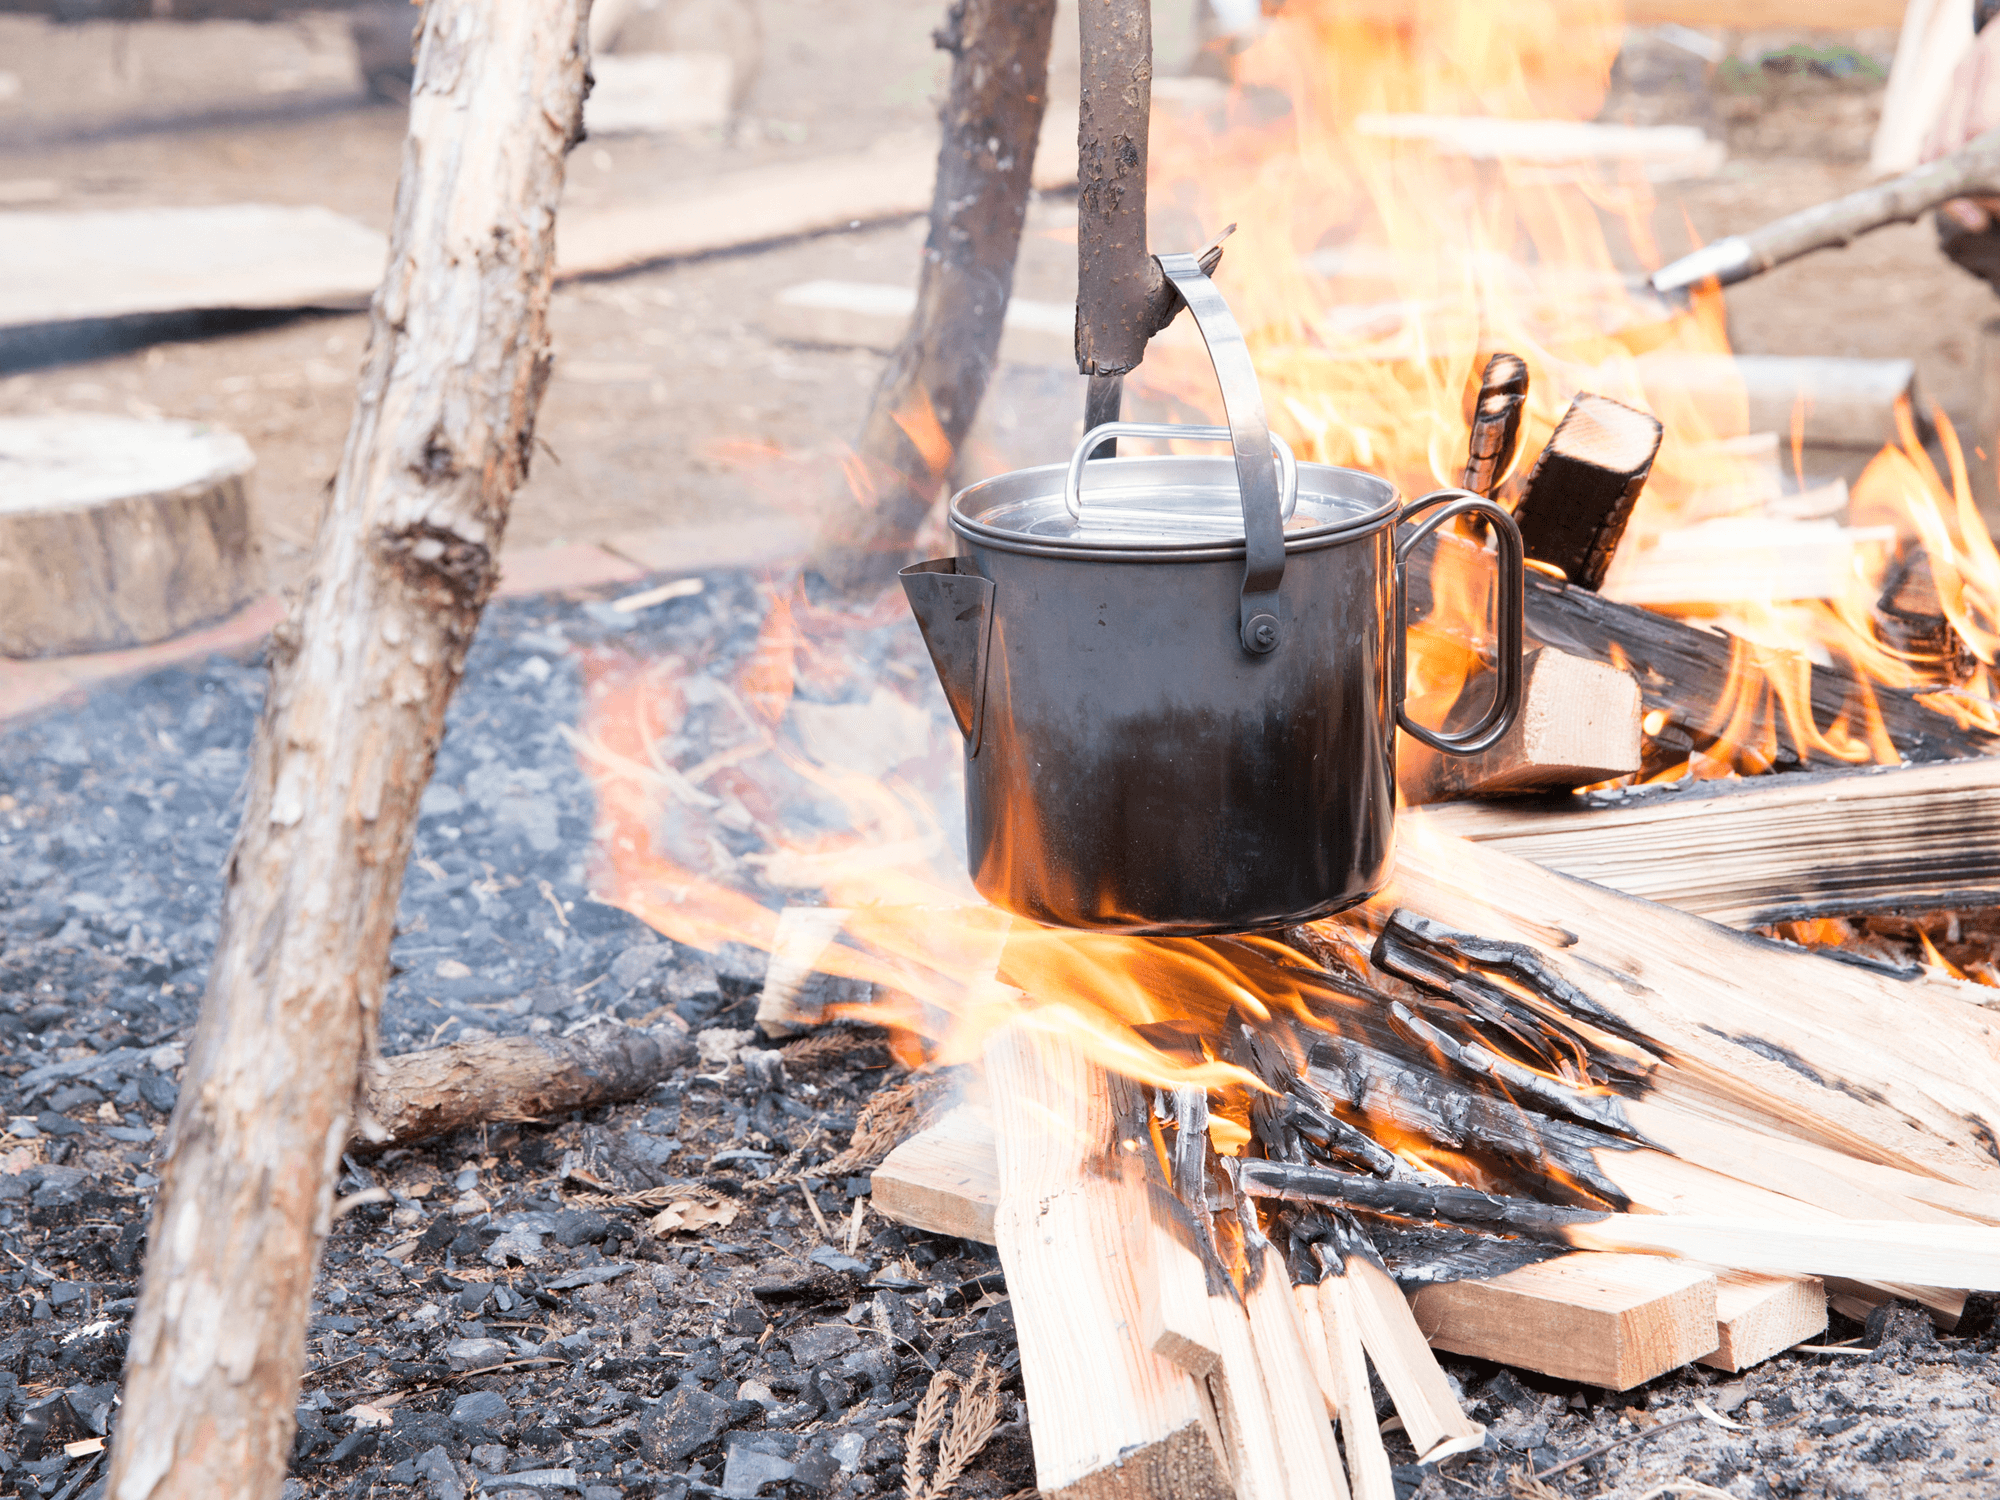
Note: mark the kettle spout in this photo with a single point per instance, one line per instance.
(954, 609)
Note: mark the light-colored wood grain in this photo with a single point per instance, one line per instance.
(1726, 1008)
(1333, 1345)
(1113, 1420)
(1305, 1437)
(794, 997)
(944, 1179)
(1400, 1350)
(1759, 1316)
(1579, 724)
(119, 532)
(1614, 1321)
(1774, 849)
(1257, 1462)
(1761, 15)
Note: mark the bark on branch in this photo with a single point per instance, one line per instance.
(1972, 171)
(440, 1089)
(361, 674)
(931, 391)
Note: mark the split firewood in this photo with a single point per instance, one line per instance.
(931, 391)
(362, 672)
(422, 1094)
(118, 532)
(1972, 171)
(1579, 723)
(1757, 1316)
(1684, 671)
(1958, 1255)
(1771, 849)
(1794, 1039)
(1112, 1418)
(1585, 485)
(795, 995)
(945, 1179)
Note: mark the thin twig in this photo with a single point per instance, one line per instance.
(825, 1229)
(1603, 1448)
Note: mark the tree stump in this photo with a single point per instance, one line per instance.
(118, 532)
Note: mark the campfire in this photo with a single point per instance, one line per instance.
(1468, 852)
(1490, 1110)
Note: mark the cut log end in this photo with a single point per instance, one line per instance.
(1180, 1466)
(116, 532)
(1585, 486)
(1579, 724)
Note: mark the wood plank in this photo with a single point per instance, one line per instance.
(1579, 724)
(1772, 849)
(1113, 1421)
(794, 997)
(1614, 1321)
(945, 1179)
(1780, 1031)
(1759, 1316)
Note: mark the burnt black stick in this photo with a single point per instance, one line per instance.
(937, 377)
(1684, 671)
(1458, 1207)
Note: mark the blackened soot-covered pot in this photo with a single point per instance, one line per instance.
(1179, 677)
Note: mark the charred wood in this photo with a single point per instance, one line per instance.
(1496, 423)
(1585, 485)
(931, 391)
(1684, 672)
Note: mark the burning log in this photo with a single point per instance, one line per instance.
(1910, 620)
(1772, 849)
(441, 1089)
(1684, 672)
(1579, 723)
(1769, 1034)
(1585, 485)
(361, 675)
(1965, 1255)
(931, 391)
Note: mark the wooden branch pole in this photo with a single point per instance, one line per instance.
(1772, 849)
(1972, 171)
(422, 1094)
(361, 674)
(931, 391)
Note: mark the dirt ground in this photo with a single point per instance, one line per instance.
(669, 403)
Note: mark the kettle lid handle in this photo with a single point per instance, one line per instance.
(1250, 438)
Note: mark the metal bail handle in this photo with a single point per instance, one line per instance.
(1513, 595)
(1250, 437)
(1288, 465)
